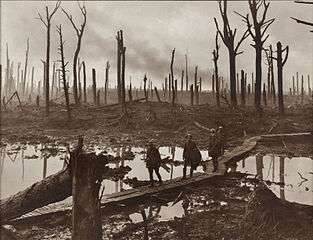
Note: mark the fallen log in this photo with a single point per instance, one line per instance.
(54, 188)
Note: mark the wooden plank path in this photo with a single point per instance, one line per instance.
(234, 155)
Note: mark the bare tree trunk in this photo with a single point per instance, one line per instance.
(106, 85)
(145, 87)
(172, 77)
(157, 94)
(297, 84)
(213, 84)
(186, 62)
(182, 81)
(63, 71)
(302, 89)
(232, 77)
(191, 94)
(86, 183)
(293, 86)
(264, 95)
(32, 82)
(0, 96)
(243, 89)
(53, 80)
(85, 87)
(280, 63)
(94, 86)
(196, 85)
(309, 87)
(79, 34)
(273, 90)
(258, 76)
(26, 63)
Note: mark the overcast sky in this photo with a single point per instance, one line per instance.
(151, 31)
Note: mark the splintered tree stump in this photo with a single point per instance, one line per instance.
(266, 213)
(87, 177)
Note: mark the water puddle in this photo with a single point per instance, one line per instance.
(290, 179)
(24, 164)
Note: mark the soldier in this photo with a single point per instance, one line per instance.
(221, 138)
(191, 156)
(214, 149)
(153, 162)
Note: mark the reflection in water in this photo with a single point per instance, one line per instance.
(289, 178)
(282, 177)
(259, 165)
(23, 165)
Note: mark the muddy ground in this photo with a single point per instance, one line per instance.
(167, 125)
(213, 210)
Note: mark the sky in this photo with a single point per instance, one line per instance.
(151, 30)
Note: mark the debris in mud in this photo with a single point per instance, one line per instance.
(116, 174)
(267, 215)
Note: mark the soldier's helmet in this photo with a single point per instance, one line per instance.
(189, 136)
(151, 142)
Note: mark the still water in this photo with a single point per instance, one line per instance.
(290, 179)
(23, 165)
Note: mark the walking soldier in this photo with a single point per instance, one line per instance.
(153, 162)
(191, 156)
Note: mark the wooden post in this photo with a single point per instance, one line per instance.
(94, 86)
(191, 94)
(200, 84)
(86, 183)
(84, 82)
(243, 90)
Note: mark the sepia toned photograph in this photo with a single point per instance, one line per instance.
(156, 120)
